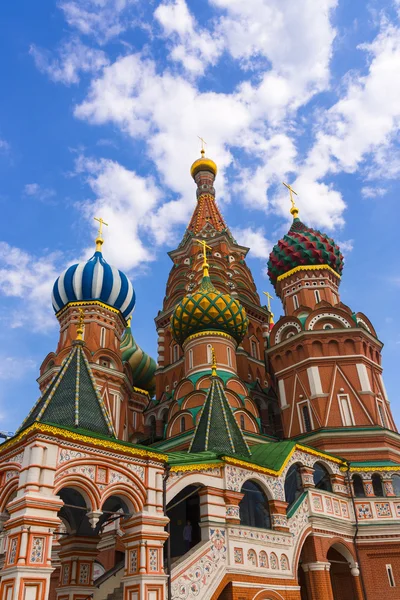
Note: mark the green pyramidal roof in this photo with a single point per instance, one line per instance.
(72, 399)
(217, 429)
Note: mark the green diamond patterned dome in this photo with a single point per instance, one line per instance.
(208, 310)
(303, 247)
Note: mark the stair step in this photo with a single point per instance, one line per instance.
(117, 594)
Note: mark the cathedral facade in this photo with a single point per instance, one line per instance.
(252, 460)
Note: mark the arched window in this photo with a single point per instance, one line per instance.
(228, 352)
(377, 485)
(241, 421)
(183, 424)
(152, 427)
(322, 480)
(293, 484)
(175, 352)
(358, 486)
(254, 507)
(396, 484)
(254, 349)
(190, 359)
(103, 337)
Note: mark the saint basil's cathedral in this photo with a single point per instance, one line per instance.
(252, 460)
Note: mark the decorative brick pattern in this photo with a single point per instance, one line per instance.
(273, 561)
(65, 575)
(84, 571)
(284, 561)
(37, 550)
(153, 560)
(238, 555)
(133, 561)
(12, 554)
(252, 557)
(263, 559)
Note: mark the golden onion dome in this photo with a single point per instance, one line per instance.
(208, 309)
(203, 164)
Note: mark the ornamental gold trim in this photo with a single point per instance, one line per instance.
(195, 467)
(79, 437)
(371, 468)
(85, 303)
(140, 391)
(307, 268)
(209, 332)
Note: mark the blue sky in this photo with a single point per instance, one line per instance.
(101, 105)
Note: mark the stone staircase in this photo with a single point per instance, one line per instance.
(117, 594)
(109, 586)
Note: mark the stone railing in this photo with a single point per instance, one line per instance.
(200, 573)
(326, 504)
(377, 509)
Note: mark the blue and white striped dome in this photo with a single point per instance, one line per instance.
(94, 280)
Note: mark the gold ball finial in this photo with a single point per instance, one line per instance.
(203, 163)
(294, 211)
(99, 239)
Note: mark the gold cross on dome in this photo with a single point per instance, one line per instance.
(205, 263)
(100, 220)
(203, 143)
(294, 210)
(269, 298)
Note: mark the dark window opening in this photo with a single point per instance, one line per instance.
(377, 485)
(254, 507)
(306, 418)
(358, 487)
(322, 480)
(293, 485)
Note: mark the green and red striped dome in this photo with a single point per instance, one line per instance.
(303, 247)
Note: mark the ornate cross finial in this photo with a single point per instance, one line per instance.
(80, 328)
(271, 314)
(203, 143)
(205, 263)
(99, 239)
(213, 363)
(269, 298)
(294, 210)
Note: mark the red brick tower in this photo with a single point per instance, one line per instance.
(103, 297)
(326, 358)
(229, 274)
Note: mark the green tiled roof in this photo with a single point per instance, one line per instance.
(217, 429)
(72, 399)
(186, 458)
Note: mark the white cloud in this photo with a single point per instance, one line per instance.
(4, 146)
(366, 118)
(28, 279)
(373, 192)
(73, 58)
(345, 245)
(191, 45)
(253, 238)
(12, 367)
(127, 202)
(35, 190)
(103, 19)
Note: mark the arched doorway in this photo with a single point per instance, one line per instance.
(184, 514)
(342, 580)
